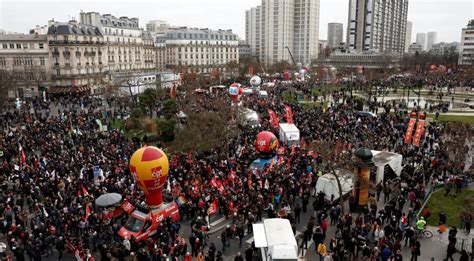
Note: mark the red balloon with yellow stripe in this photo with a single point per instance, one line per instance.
(149, 167)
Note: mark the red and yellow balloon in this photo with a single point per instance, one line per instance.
(266, 142)
(149, 167)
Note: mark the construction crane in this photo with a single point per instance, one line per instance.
(291, 55)
(261, 67)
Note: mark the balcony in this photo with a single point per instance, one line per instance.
(78, 54)
(55, 53)
(67, 54)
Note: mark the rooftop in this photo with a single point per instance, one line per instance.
(73, 29)
(22, 37)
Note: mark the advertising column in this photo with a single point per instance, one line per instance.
(362, 166)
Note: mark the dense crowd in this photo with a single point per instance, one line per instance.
(46, 194)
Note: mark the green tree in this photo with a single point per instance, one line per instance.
(165, 129)
(170, 108)
(148, 100)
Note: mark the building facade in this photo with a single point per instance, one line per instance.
(408, 35)
(149, 51)
(24, 64)
(431, 40)
(441, 48)
(244, 50)
(253, 29)
(284, 30)
(306, 31)
(123, 39)
(198, 50)
(277, 30)
(355, 60)
(78, 57)
(377, 26)
(335, 32)
(415, 48)
(157, 26)
(466, 52)
(421, 40)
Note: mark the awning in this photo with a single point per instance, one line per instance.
(74, 89)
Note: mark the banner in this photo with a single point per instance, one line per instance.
(289, 114)
(274, 121)
(409, 133)
(420, 131)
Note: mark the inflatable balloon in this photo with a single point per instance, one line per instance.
(266, 142)
(149, 167)
(255, 81)
(235, 91)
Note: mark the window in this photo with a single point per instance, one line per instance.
(18, 46)
(2, 61)
(12, 46)
(5, 46)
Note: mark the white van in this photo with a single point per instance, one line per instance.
(276, 240)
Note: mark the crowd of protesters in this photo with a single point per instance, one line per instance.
(48, 182)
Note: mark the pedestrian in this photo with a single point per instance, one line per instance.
(415, 250)
(464, 256)
(450, 251)
(297, 212)
(239, 257)
(321, 249)
(249, 253)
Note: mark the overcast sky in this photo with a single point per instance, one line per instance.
(446, 17)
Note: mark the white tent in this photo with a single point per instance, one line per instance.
(383, 159)
(328, 185)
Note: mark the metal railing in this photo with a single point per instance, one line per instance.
(465, 244)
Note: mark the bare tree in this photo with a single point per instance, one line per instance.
(335, 159)
(207, 125)
(8, 82)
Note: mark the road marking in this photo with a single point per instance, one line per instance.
(215, 223)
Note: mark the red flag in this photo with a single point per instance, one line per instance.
(23, 157)
(232, 175)
(84, 191)
(173, 91)
(274, 121)
(88, 212)
(213, 207)
(289, 114)
(267, 184)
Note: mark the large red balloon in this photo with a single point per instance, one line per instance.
(266, 142)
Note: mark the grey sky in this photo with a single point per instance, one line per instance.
(447, 17)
